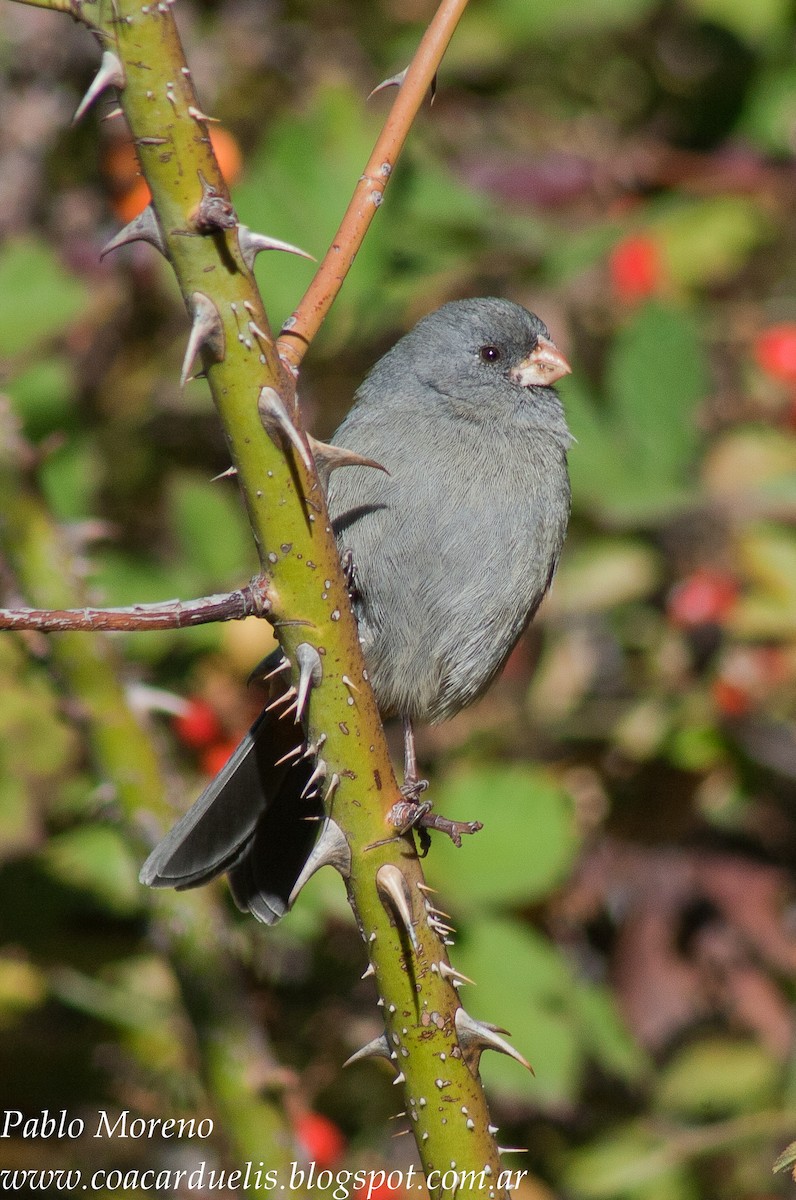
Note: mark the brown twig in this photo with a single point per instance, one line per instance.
(299, 330)
(248, 601)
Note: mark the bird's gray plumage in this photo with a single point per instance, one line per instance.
(453, 551)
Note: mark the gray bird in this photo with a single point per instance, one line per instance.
(453, 546)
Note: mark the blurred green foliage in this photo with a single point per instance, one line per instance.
(626, 169)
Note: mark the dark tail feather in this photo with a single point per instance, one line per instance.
(249, 821)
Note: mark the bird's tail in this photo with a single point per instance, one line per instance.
(252, 821)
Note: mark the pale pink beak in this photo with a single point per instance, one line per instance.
(543, 366)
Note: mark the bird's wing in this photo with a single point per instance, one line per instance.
(249, 821)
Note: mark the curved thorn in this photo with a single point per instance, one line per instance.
(368, 972)
(328, 458)
(394, 890)
(143, 228)
(393, 81)
(198, 115)
(296, 752)
(110, 74)
(206, 330)
(331, 849)
(449, 972)
(310, 675)
(399, 1078)
(283, 698)
(378, 1048)
(318, 773)
(256, 675)
(276, 421)
(477, 1036)
(252, 243)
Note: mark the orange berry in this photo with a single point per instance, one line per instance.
(705, 598)
(635, 267)
(320, 1138)
(228, 153)
(217, 756)
(129, 204)
(775, 351)
(132, 193)
(731, 699)
(198, 726)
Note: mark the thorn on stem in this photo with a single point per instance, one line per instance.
(277, 423)
(378, 1048)
(394, 892)
(143, 228)
(331, 849)
(110, 74)
(251, 243)
(328, 458)
(310, 675)
(206, 330)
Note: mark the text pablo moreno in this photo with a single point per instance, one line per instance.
(46, 1124)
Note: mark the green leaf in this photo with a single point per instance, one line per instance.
(597, 469)
(656, 377)
(95, 859)
(211, 528)
(42, 395)
(39, 298)
(544, 19)
(22, 987)
(607, 1038)
(718, 1075)
(69, 478)
(767, 608)
(529, 841)
(769, 116)
(707, 242)
(313, 155)
(531, 1000)
(603, 574)
(752, 22)
(630, 1161)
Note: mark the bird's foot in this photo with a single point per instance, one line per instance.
(410, 814)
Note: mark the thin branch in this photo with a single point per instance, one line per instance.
(73, 7)
(248, 601)
(301, 327)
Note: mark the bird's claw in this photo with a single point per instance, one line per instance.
(411, 791)
(410, 814)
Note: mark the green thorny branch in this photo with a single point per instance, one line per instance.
(433, 1044)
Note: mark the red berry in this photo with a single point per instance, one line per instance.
(216, 756)
(320, 1138)
(731, 699)
(775, 351)
(198, 726)
(635, 267)
(704, 598)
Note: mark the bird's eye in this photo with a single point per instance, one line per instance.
(489, 354)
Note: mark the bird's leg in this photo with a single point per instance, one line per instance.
(411, 813)
(414, 786)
